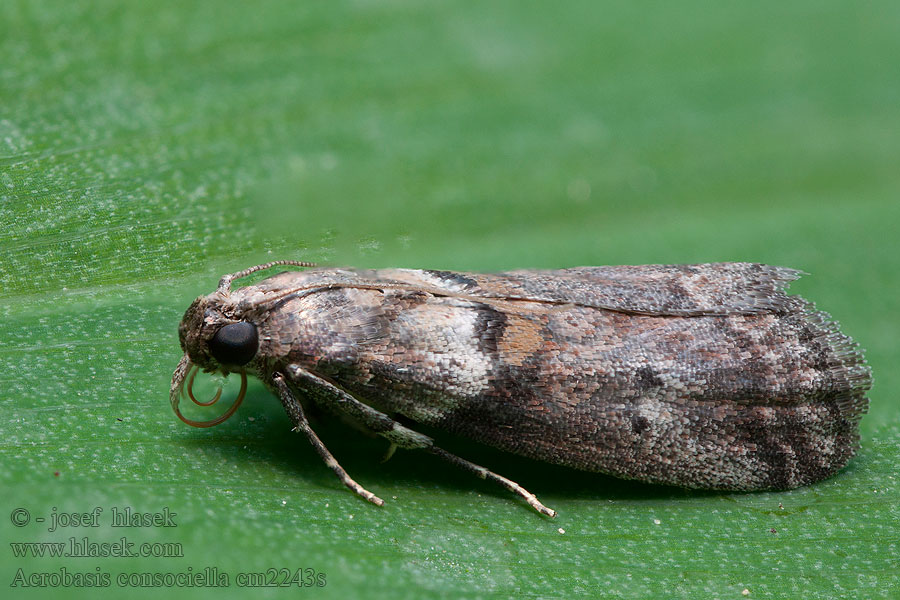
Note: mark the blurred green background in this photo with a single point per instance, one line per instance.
(147, 148)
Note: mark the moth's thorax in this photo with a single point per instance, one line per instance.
(322, 330)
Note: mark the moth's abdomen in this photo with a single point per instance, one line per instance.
(741, 402)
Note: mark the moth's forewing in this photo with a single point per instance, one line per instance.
(693, 375)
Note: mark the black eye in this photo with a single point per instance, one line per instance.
(235, 344)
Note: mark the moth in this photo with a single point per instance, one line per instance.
(701, 376)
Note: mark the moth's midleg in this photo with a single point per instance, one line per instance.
(295, 411)
(398, 434)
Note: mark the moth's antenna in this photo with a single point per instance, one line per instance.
(225, 282)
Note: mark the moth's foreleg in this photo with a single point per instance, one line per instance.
(399, 435)
(295, 412)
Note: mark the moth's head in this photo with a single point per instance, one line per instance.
(212, 340)
(216, 336)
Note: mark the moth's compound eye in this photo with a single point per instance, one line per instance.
(235, 344)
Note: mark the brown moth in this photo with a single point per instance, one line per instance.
(701, 376)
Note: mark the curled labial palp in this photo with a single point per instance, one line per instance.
(190, 389)
(185, 373)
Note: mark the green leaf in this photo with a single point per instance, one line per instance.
(147, 149)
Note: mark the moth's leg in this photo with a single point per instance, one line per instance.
(483, 473)
(341, 402)
(396, 433)
(295, 412)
